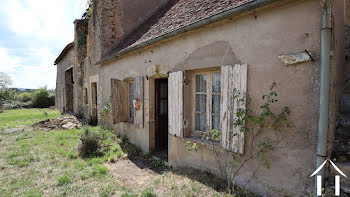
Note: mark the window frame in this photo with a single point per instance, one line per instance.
(209, 105)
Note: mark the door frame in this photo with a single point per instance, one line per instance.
(157, 113)
(152, 112)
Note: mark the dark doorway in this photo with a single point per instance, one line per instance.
(68, 77)
(161, 118)
(94, 103)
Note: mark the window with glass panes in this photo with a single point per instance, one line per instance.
(131, 100)
(207, 101)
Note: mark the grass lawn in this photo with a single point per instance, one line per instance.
(46, 163)
(19, 117)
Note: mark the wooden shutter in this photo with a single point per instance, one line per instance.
(138, 120)
(232, 77)
(118, 101)
(175, 103)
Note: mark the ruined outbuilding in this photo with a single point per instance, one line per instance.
(163, 73)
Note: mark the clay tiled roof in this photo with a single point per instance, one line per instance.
(175, 15)
(64, 52)
(186, 12)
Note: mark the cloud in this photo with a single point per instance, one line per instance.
(41, 29)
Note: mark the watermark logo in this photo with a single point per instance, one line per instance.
(337, 178)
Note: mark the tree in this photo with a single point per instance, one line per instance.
(5, 81)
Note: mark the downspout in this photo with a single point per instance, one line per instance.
(326, 32)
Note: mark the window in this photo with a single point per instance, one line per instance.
(131, 101)
(207, 101)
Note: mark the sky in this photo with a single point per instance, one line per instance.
(32, 35)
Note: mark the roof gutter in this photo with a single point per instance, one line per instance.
(232, 12)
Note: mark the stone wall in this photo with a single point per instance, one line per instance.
(62, 66)
(119, 17)
(80, 50)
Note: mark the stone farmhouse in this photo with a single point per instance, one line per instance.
(166, 73)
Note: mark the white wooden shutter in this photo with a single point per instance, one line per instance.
(175, 103)
(232, 77)
(138, 120)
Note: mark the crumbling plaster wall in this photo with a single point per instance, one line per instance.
(62, 66)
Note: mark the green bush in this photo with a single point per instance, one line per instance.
(43, 98)
(13, 104)
(24, 97)
(90, 143)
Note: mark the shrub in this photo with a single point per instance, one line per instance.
(90, 143)
(43, 98)
(24, 97)
(13, 104)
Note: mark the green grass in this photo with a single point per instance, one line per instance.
(18, 117)
(46, 163)
(64, 180)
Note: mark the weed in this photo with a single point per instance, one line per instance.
(148, 193)
(79, 164)
(124, 138)
(64, 180)
(127, 194)
(108, 191)
(72, 155)
(99, 171)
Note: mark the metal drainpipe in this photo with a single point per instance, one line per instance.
(326, 33)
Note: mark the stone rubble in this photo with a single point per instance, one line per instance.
(65, 122)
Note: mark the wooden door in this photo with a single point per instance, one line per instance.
(161, 114)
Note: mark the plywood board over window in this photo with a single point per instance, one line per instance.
(232, 78)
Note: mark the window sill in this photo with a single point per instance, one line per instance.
(200, 137)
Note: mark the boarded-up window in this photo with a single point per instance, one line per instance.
(175, 103)
(232, 78)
